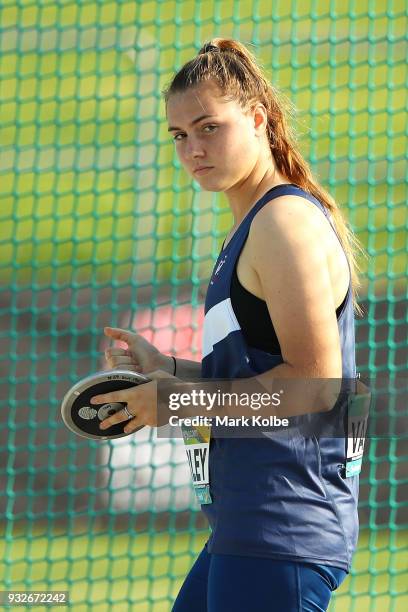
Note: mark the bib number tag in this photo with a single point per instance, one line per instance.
(357, 421)
(197, 445)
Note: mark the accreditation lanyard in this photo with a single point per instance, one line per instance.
(357, 420)
(197, 445)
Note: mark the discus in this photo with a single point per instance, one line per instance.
(84, 418)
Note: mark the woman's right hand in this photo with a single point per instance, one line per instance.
(140, 355)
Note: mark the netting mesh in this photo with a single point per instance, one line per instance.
(100, 225)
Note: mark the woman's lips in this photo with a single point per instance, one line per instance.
(203, 170)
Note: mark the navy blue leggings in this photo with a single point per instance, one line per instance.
(233, 583)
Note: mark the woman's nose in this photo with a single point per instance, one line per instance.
(194, 148)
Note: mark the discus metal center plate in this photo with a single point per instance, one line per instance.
(84, 418)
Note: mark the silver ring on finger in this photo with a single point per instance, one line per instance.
(128, 414)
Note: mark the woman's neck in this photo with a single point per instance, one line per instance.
(243, 196)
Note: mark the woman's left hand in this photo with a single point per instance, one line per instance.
(141, 403)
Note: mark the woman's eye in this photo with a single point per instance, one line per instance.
(210, 129)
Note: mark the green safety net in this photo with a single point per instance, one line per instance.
(101, 225)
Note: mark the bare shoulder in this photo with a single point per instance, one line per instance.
(289, 210)
(288, 220)
(287, 251)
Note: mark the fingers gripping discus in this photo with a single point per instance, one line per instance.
(84, 418)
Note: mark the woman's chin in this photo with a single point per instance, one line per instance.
(209, 185)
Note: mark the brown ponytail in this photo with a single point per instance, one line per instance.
(239, 76)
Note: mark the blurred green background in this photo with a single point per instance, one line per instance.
(85, 148)
(94, 201)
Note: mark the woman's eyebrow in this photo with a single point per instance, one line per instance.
(192, 123)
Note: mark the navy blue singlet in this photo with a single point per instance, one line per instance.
(274, 497)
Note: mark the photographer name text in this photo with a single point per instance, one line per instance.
(225, 421)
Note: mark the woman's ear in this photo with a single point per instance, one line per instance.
(260, 118)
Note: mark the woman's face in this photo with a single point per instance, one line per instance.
(211, 132)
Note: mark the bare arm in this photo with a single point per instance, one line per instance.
(286, 253)
(186, 369)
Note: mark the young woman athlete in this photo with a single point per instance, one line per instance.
(281, 304)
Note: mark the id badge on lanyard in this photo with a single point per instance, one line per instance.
(197, 445)
(357, 420)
